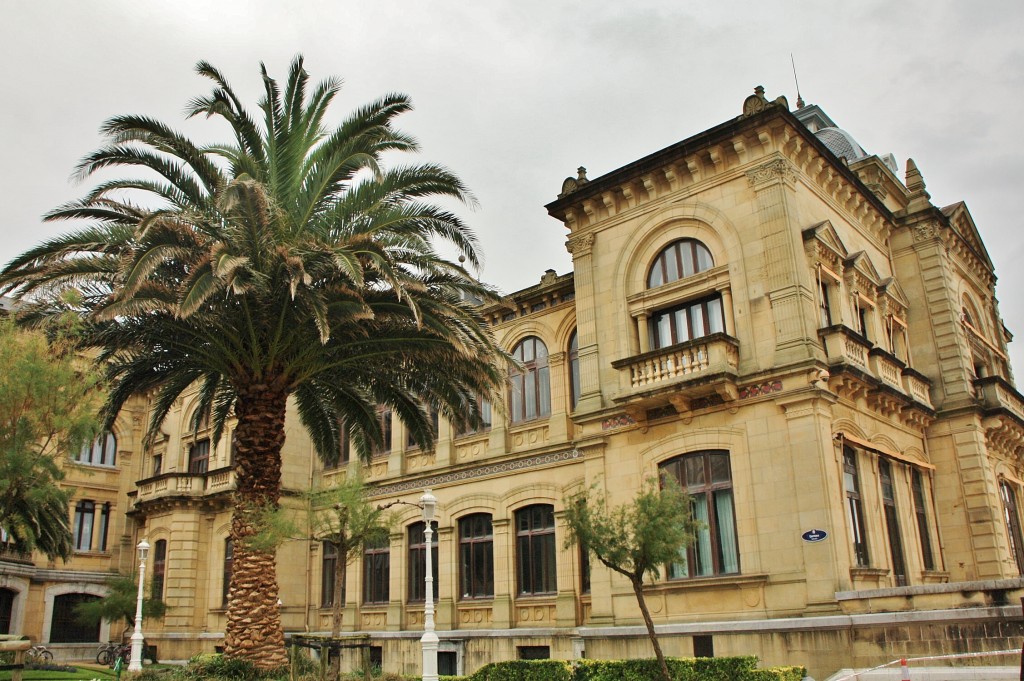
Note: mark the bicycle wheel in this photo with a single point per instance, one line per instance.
(46, 656)
(104, 656)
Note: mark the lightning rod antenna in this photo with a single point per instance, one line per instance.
(799, 99)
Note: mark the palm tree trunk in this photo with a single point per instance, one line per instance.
(253, 630)
(638, 590)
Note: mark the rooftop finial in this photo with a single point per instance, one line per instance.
(799, 99)
(757, 102)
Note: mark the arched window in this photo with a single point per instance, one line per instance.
(678, 260)
(574, 369)
(476, 556)
(531, 386)
(418, 561)
(100, 452)
(708, 479)
(535, 550)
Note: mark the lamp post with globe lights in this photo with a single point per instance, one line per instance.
(428, 502)
(135, 665)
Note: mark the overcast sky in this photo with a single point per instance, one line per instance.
(515, 95)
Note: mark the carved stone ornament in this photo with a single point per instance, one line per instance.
(925, 232)
(571, 184)
(779, 169)
(580, 245)
(757, 102)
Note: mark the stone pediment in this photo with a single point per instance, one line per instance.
(826, 235)
(891, 287)
(861, 263)
(962, 222)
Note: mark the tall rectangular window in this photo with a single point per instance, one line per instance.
(1011, 513)
(476, 556)
(824, 305)
(104, 526)
(85, 516)
(921, 513)
(329, 568)
(530, 393)
(159, 568)
(687, 322)
(199, 456)
(229, 562)
(892, 523)
(707, 477)
(377, 571)
(418, 561)
(535, 550)
(854, 507)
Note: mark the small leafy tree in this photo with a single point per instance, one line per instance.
(636, 538)
(119, 604)
(342, 517)
(49, 401)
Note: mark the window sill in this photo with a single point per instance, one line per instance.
(712, 582)
(546, 596)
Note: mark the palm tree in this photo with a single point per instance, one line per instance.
(286, 264)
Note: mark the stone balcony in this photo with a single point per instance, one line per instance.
(1003, 408)
(184, 484)
(680, 375)
(859, 368)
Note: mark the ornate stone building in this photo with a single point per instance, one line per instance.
(765, 311)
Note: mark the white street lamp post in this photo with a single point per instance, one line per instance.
(429, 640)
(135, 665)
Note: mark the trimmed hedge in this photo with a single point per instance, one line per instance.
(742, 668)
(525, 670)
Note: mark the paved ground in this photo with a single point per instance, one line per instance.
(931, 674)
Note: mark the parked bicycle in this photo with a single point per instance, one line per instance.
(106, 653)
(122, 651)
(38, 654)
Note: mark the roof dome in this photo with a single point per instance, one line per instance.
(841, 143)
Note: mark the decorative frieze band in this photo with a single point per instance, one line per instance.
(472, 473)
(779, 169)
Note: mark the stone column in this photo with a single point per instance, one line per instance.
(581, 248)
(504, 572)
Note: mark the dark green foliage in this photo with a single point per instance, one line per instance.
(223, 668)
(740, 668)
(119, 604)
(680, 669)
(525, 670)
(48, 408)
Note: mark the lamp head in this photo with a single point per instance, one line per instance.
(143, 547)
(429, 503)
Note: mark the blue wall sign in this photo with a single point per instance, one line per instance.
(814, 535)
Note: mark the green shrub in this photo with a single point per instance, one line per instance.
(208, 666)
(679, 668)
(525, 670)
